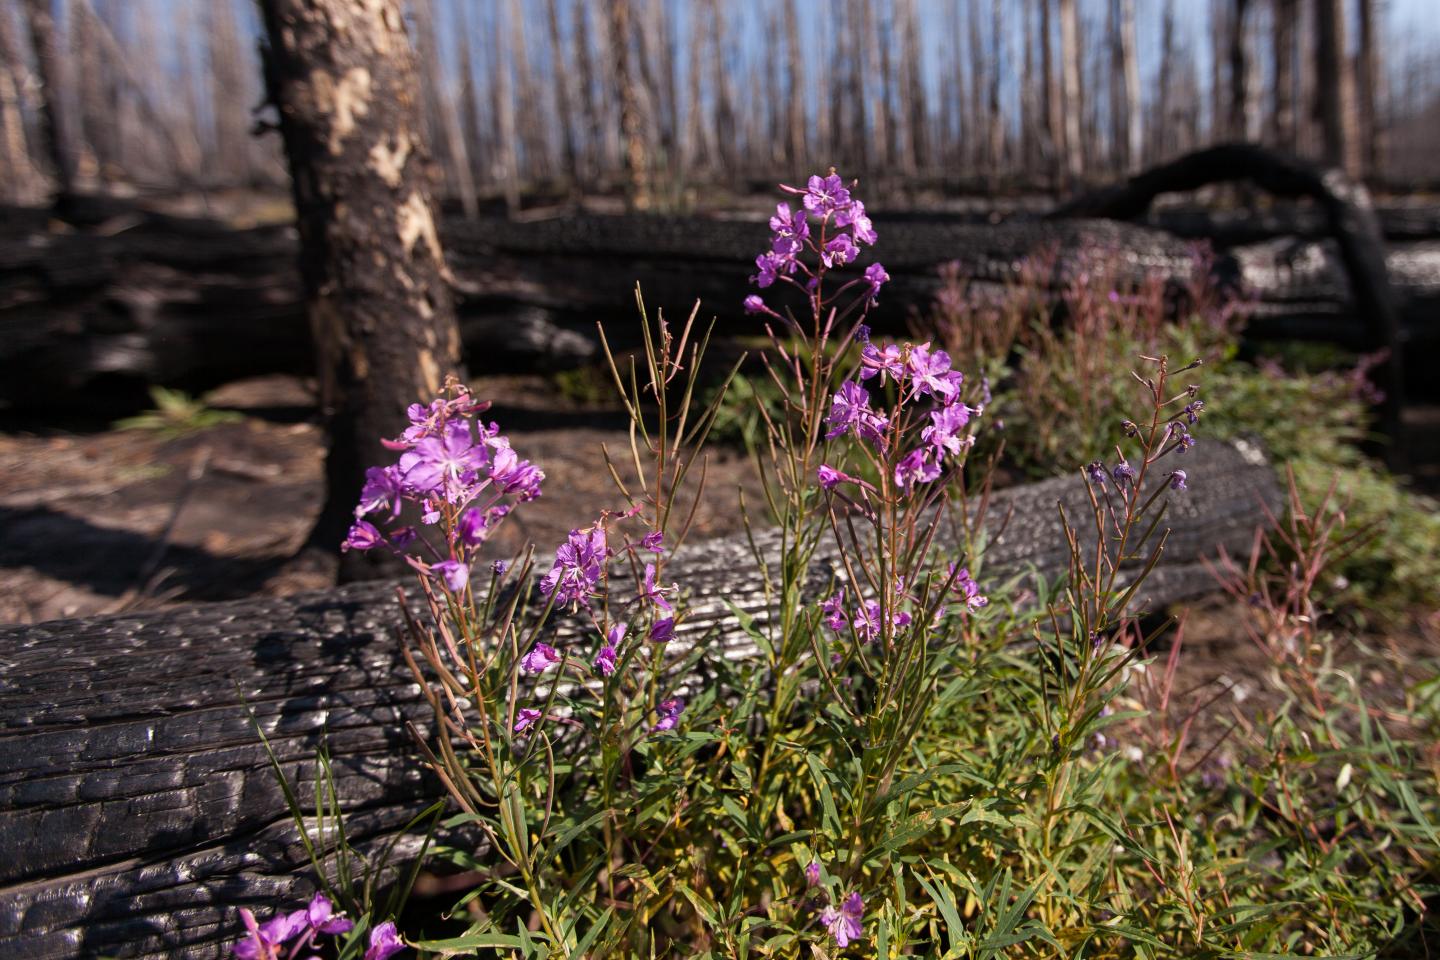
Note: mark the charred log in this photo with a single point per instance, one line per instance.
(139, 298)
(1349, 218)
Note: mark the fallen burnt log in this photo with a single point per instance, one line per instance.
(98, 313)
(140, 810)
(1349, 219)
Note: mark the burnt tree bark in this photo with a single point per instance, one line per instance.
(383, 317)
(1282, 117)
(1335, 90)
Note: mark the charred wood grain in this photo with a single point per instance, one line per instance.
(138, 809)
(142, 298)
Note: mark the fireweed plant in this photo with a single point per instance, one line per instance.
(905, 758)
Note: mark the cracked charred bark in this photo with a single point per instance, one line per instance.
(344, 80)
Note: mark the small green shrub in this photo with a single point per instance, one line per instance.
(176, 414)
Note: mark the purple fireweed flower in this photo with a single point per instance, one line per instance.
(849, 408)
(454, 574)
(363, 536)
(669, 712)
(473, 528)
(839, 251)
(824, 195)
(945, 425)
(663, 631)
(1186, 441)
(424, 420)
(966, 588)
(1193, 409)
(385, 942)
(524, 718)
(931, 374)
(854, 217)
(789, 229)
(1177, 480)
(655, 594)
(403, 537)
(916, 467)
(1123, 472)
(754, 305)
(264, 940)
(443, 463)
(812, 873)
(889, 359)
(876, 277)
(1095, 470)
(829, 477)
(654, 541)
(608, 657)
(862, 333)
(577, 567)
(834, 610)
(606, 660)
(320, 916)
(540, 658)
(514, 475)
(381, 490)
(845, 924)
(867, 624)
(499, 567)
(769, 267)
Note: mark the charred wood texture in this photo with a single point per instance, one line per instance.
(343, 78)
(138, 810)
(138, 298)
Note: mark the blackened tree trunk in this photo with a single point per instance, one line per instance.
(1335, 93)
(1282, 117)
(343, 78)
(1368, 82)
(1239, 56)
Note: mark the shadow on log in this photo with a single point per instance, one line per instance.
(1349, 218)
(139, 808)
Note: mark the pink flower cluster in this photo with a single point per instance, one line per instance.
(920, 373)
(453, 469)
(831, 224)
(575, 579)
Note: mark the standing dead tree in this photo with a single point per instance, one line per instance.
(1282, 114)
(54, 116)
(632, 120)
(1335, 90)
(20, 181)
(1071, 111)
(343, 79)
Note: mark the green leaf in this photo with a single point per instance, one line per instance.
(468, 941)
